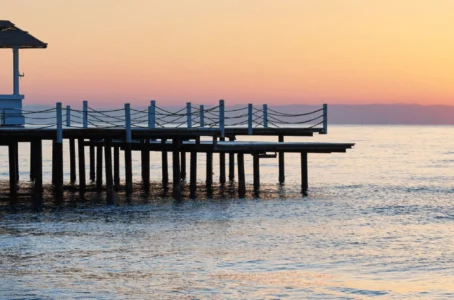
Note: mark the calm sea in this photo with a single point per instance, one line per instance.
(378, 222)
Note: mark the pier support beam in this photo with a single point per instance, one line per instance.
(209, 170)
(37, 170)
(183, 165)
(222, 165)
(145, 155)
(176, 170)
(92, 160)
(231, 163)
(116, 167)
(72, 160)
(32, 160)
(82, 184)
(304, 173)
(108, 165)
(128, 168)
(256, 170)
(58, 168)
(241, 177)
(281, 163)
(99, 167)
(193, 175)
(165, 167)
(12, 153)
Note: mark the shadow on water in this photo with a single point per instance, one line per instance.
(142, 195)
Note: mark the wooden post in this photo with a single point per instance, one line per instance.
(81, 150)
(53, 163)
(128, 154)
(176, 169)
(209, 170)
(256, 169)
(99, 166)
(12, 153)
(152, 114)
(304, 174)
(37, 167)
(265, 115)
(59, 156)
(32, 160)
(92, 160)
(72, 160)
(17, 163)
(249, 119)
(146, 164)
(201, 116)
(85, 115)
(222, 165)
(189, 114)
(241, 177)
(231, 163)
(325, 118)
(108, 164)
(183, 165)
(281, 163)
(165, 167)
(193, 175)
(116, 167)
(221, 117)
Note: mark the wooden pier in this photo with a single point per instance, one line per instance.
(105, 133)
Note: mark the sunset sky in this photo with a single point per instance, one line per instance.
(244, 51)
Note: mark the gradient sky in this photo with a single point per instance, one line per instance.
(257, 51)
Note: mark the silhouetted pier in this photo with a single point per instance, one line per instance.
(185, 132)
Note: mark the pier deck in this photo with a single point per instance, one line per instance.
(105, 139)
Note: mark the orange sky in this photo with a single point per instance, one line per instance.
(257, 51)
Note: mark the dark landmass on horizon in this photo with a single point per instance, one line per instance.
(383, 114)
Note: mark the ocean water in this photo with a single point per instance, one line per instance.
(378, 223)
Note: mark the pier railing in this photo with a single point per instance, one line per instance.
(154, 116)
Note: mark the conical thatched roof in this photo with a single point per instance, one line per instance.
(11, 36)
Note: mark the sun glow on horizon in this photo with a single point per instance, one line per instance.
(285, 52)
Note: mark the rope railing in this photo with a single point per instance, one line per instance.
(158, 117)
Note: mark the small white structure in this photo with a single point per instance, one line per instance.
(14, 38)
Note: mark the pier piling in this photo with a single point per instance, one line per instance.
(92, 160)
(108, 166)
(241, 177)
(12, 153)
(99, 166)
(256, 171)
(116, 163)
(165, 167)
(72, 160)
(193, 175)
(82, 183)
(209, 170)
(304, 173)
(281, 163)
